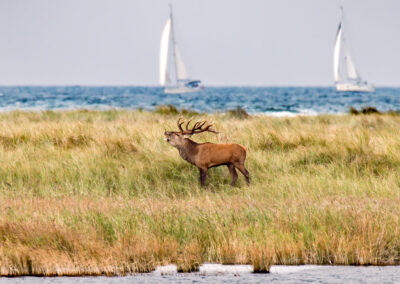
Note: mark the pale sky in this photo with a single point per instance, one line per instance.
(223, 42)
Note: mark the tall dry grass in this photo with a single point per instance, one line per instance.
(85, 192)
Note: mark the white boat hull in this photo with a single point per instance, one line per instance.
(182, 90)
(348, 87)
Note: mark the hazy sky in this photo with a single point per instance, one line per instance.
(223, 42)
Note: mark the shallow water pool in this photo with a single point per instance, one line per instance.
(242, 274)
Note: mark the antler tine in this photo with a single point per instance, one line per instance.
(187, 125)
(200, 129)
(211, 130)
(180, 124)
(208, 128)
(201, 124)
(198, 125)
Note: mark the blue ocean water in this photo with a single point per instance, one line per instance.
(268, 100)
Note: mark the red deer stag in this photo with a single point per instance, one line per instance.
(207, 155)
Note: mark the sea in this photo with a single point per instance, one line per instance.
(277, 101)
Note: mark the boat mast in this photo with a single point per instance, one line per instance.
(341, 21)
(341, 14)
(173, 42)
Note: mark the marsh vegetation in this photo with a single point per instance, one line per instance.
(86, 192)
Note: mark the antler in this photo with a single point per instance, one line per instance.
(197, 127)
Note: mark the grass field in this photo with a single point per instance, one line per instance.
(90, 193)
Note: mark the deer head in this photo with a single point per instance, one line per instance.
(177, 138)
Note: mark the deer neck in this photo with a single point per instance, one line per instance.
(188, 151)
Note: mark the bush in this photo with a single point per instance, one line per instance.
(364, 110)
(166, 109)
(354, 111)
(369, 110)
(171, 109)
(238, 112)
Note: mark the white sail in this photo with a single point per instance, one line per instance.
(164, 77)
(336, 54)
(351, 68)
(180, 66)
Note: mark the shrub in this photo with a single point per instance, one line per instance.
(166, 109)
(171, 109)
(364, 110)
(369, 110)
(238, 112)
(353, 110)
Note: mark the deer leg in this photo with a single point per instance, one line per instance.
(203, 175)
(234, 174)
(245, 172)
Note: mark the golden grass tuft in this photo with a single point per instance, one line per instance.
(101, 193)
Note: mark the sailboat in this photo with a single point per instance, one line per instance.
(173, 75)
(350, 79)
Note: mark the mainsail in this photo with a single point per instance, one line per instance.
(167, 39)
(336, 53)
(341, 54)
(164, 78)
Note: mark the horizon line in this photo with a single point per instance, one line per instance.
(158, 86)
